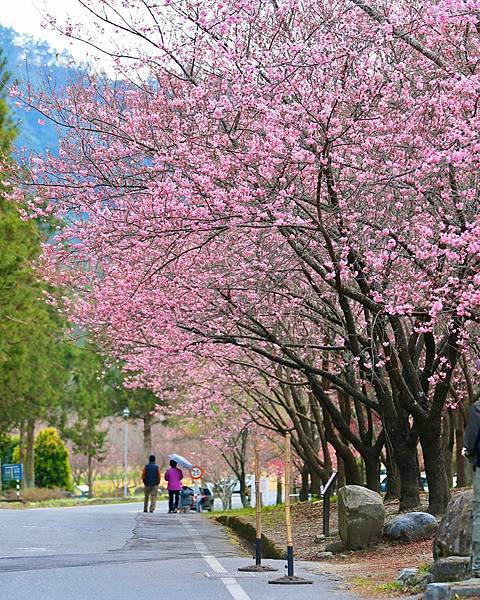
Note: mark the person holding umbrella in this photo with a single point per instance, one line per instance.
(173, 477)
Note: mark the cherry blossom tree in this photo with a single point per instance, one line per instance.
(291, 181)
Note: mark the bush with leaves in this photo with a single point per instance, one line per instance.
(52, 465)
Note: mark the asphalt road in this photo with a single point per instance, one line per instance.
(115, 552)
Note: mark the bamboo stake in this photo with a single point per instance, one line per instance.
(288, 512)
(258, 501)
(289, 578)
(258, 567)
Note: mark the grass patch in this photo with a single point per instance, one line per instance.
(371, 586)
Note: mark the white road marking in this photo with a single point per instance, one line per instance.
(33, 548)
(232, 585)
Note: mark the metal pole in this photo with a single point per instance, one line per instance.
(326, 513)
(125, 461)
(18, 489)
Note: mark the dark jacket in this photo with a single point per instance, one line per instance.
(151, 475)
(471, 436)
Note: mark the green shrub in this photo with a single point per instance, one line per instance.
(52, 467)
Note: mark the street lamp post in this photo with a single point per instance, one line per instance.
(126, 414)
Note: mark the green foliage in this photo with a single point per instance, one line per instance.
(32, 352)
(52, 466)
(16, 454)
(8, 446)
(86, 404)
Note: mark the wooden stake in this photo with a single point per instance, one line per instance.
(258, 567)
(290, 577)
(258, 498)
(288, 471)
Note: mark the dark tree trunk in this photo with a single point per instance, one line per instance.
(21, 448)
(30, 454)
(448, 440)
(462, 480)
(393, 476)
(438, 491)
(147, 435)
(243, 493)
(353, 475)
(404, 444)
(315, 486)
(372, 470)
(279, 498)
(341, 472)
(303, 497)
(89, 475)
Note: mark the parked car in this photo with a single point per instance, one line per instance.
(206, 498)
(383, 482)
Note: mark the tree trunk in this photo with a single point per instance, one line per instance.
(459, 458)
(438, 491)
(372, 470)
(243, 493)
(21, 448)
(404, 445)
(353, 475)
(303, 497)
(147, 435)
(89, 475)
(30, 454)
(315, 486)
(279, 498)
(393, 476)
(448, 439)
(341, 473)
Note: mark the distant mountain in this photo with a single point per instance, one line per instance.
(33, 61)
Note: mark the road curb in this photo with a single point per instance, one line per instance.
(247, 532)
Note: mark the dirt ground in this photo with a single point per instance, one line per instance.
(368, 572)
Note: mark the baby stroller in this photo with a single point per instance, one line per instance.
(186, 499)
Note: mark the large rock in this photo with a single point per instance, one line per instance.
(452, 591)
(454, 535)
(452, 568)
(411, 526)
(361, 517)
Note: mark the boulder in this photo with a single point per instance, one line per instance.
(410, 527)
(452, 568)
(407, 576)
(454, 534)
(361, 517)
(335, 547)
(453, 591)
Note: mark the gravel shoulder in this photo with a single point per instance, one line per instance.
(366, 573)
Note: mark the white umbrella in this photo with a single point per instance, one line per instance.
(183, 462)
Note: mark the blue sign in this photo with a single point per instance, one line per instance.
(12, 472)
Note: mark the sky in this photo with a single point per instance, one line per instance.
(27, 17)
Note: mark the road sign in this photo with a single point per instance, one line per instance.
(12, 472)
(196, 472)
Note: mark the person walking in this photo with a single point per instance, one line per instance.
(471, 442)
(151, 479)
(173, 477)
